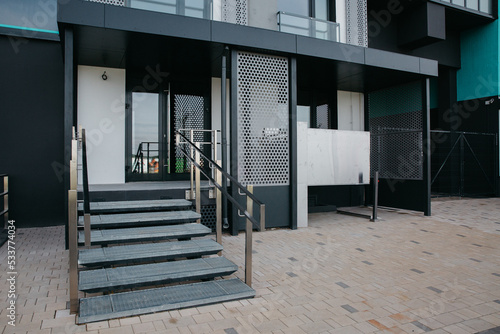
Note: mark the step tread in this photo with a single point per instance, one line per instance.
(148, 233)
(110, 279)
(144, 218)
(147, 252)
(161, 299)
(137, 206)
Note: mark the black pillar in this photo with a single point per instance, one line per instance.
(234, 135)
(69, 109)
(293, 142)
(427, 145)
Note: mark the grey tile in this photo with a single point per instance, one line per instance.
(417, 271)
(421, 326)
(343, 285)
(291, 274)
(435, 289)
(230, 331)
(349, 308)
(367, 262)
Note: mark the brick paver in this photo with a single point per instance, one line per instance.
(404, 274)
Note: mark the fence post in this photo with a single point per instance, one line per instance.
(248, 240)
(375, 197)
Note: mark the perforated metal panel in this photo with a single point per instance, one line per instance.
(235, 11)
(110, 2)
(209, 216)
(263, 126)
(322, 116)
(189, 113)
(396, 127)
(357, 25)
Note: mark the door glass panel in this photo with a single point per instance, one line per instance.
(321, 9)
(145, 148)
(299, 7)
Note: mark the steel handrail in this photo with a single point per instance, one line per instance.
(214, 164)
(229, 197)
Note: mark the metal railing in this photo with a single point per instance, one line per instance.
(308, 26)
(138, 164)
(5, 195)
(195, 156)
(483, 6)
(214, 134)
(77, 139)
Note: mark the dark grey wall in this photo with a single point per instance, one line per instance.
(31, 130)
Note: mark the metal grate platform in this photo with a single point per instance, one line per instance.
(137, 206)
(142, 234)
(141, 219)
(147, 252)
(161, 299)
(112, 279)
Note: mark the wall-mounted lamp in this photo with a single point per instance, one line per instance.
(104, 76)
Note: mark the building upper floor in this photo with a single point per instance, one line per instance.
(356, 22)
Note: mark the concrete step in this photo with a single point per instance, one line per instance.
(141, 219)
(137, 206)
(113, 279)
(133, 303)
(142, 253)
(143, 234)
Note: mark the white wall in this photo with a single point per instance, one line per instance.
(329, 157)
(302, 162)
(336, 157)
(101, 111)
(351, 111)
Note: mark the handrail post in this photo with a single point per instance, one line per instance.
(86, 192)
(6, 200)
(218, 207)
(248, 240)
(214, 150)
(197, 180)
(73, 250)
(191, 195)
(375, 197)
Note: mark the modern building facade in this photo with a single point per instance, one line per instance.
(312, 96)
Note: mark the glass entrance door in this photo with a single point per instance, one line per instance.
(146, 155)
(153, 119)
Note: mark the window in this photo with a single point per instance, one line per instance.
(319, 9)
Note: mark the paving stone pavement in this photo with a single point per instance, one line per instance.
(403, 274)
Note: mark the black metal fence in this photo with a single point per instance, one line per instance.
(464, 164)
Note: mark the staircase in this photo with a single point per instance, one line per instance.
(153, 247)
(143, 257)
